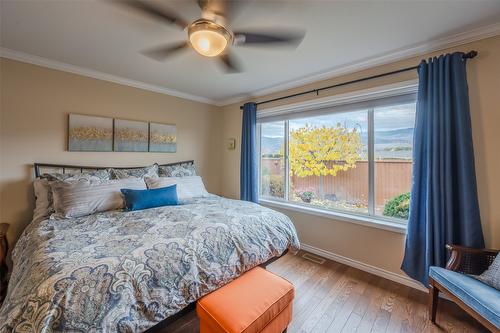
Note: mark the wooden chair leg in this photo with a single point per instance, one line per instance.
(433, 301)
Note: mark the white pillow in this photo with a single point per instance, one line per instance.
(44, 205)
(77, 199)
(188, 187)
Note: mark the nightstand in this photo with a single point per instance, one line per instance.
(4, 247)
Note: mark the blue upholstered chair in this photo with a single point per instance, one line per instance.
(478, 299)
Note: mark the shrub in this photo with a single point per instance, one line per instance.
(277, 186)
(398, 206)
(306, 195)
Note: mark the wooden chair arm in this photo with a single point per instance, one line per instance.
(3, 229)
(468, 260)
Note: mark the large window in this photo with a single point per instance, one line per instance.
(356, 159)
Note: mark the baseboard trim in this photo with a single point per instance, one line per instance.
(364, 267)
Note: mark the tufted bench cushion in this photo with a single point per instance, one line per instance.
(256, 302)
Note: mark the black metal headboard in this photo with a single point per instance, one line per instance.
(64, 168)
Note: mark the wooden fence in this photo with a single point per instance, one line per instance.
(391, 179)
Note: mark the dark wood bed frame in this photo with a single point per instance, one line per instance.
(164, 324)
(67, 168)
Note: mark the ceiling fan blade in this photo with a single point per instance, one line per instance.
(278, 38)
(161, 14)
(231, 63)
(163, 52)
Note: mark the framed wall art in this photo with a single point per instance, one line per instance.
(90, 133)
(162, 138)
(130, 135)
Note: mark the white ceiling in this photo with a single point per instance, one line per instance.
(102, 36)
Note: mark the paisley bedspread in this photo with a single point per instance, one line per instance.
(127, 271)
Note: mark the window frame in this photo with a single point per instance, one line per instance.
(369, 96)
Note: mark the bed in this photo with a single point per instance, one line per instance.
(120, 271)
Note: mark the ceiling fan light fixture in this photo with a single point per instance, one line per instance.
(208, 38)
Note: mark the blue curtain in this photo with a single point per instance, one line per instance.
(444, 207)
(249, 166)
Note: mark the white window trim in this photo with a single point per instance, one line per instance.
(390, 90)
(367, 221)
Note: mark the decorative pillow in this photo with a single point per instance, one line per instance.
(187, 187)
(43, 200)
(149, 171)
(177, 170)
(75, 199)
(143, 199)
(44, 206)
(97, 175)
(491, 276)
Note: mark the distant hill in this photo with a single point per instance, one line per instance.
(384, 140)
(403, 135)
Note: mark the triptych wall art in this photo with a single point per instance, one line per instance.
(100, 134)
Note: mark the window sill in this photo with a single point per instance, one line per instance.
(367, 221)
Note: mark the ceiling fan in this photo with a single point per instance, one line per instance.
(210, 35)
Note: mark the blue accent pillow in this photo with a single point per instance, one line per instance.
(157, 197)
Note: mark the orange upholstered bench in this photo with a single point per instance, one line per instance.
(256, 302)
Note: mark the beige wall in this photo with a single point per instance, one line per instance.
(380, 248)
(35, 103)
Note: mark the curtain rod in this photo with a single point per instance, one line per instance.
(468, 55)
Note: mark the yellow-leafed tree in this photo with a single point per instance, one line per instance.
(323, 151)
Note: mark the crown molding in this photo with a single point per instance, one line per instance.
(65, 67)
(449, 41)
(419, 49)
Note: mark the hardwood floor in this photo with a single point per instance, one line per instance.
(333, 297)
